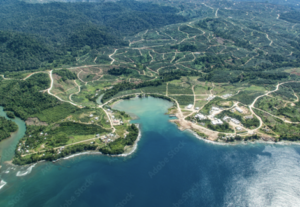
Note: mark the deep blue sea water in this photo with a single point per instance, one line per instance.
(169, 168)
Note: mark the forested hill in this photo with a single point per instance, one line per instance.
(56, 20)
(55, 31)
(20, 51)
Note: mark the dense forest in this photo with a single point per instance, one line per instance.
(119, 71)
(24, 97)
(293, 16)
(22, 52)
(65, 74)
(49, 35)
(6, 127)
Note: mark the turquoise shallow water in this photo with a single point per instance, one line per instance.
(169, 168)
(8, 146)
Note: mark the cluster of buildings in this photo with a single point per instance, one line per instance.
(214, 121)
(60, 149)
(217, 122)
(96, 118)
(107, 138)
(227, 137)
(116, 121)
(190, 106)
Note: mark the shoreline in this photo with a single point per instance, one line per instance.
(28, 168)
(260, 141)
(133, 149)
(117, 101)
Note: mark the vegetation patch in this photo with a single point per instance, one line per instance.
(7, 127)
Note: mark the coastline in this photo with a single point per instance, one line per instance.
(133, 149)
(113, 104)
(129, 150)
(260, 141)
(29, 167)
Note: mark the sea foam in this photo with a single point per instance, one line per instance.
(2, 184)
(25, 172)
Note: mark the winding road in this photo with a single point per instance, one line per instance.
(51, 86)
(253, 103)
(110, 56)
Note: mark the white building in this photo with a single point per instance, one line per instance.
(217, 122)
(200, 116)
(197, 108)
(226, 118)
(215, 108)
(239, 128)
(249, 117)
(189, 106)
(239, 109)
(96, 118)
(235, 121)
(210, 98)
(227, 95)
(91, 115)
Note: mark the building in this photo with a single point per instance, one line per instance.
(189, 106)
(217, 122)
(91, 115)
(239, 109)
(227, 95)
(215, 108)
(226, 118)
(248, 117)
(200, 116)
(210, 98)
(235, 121)
(197, 108)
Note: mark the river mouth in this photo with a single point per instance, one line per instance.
(8, 146)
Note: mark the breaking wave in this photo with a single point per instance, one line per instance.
(2, 184)
(25, 172)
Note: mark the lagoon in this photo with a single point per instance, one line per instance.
(169, 168)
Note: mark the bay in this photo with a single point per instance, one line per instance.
(169, 168)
